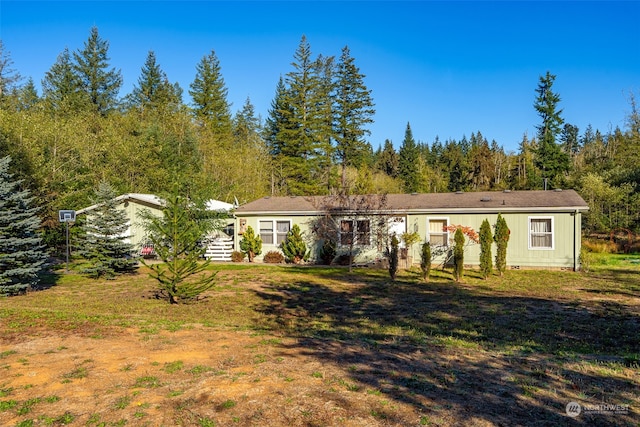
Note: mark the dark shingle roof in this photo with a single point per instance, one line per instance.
(484, 201)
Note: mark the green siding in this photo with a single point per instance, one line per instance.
(566, 237)
(518, 252)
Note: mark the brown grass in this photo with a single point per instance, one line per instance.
(295, 346)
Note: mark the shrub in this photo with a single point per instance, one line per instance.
(328, 251)
(251, 244)
(392, 254)
(273, 257)
(486, 239)
(425, 261)
(458, 255)
(237, 256)
(294, 248)
(501, 237)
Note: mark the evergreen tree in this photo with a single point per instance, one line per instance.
(486, 239)
(301, 138)
(154, 92)
(97, 83)
(9, 76)
(294, 248)
(209, 95)
(550, 159)
(250, 243)
(458, 255)
(354, 111)
(176, 238)
(501, 237)
(408, 162)
(22, 254)
(392, 255)
(60, 86)
(27, 96)
(104, 237)
(388, 159)
(425, 261)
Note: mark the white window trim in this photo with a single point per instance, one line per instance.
(274, 224)
(553, 234)
(355, 232)
(438, 218)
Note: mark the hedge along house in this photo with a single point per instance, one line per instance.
(545, 225)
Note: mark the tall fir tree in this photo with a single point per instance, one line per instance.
(60, 86)
(408, 162)
(209, 94)
(550, 159)
(354, 111)
(387, 159)
(22, 254)
(154, 92)
(99, 84)
(104, 241)
(301, 139)
(9, 76)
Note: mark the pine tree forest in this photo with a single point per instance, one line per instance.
(81, 130)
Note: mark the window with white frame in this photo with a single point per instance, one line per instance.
(540, 232)
(437, 231)
(359, 229)
(274, 232)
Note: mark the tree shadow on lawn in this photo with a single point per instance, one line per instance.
(504, 360)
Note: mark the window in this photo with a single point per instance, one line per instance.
(438, 235)
(274, 232)
(362, 232)
(540, 232)
(266, 232)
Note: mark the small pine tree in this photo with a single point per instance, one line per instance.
(103, 242)
(176, 238)
(458, 255)
(294, 248)
(22, 254)
(501, 237)
(392, 254)
(486, 239)
(251, 244)
(328, 251)
(425, 261)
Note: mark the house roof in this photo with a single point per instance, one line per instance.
(154, 201)
(483, 201)
(146, 199)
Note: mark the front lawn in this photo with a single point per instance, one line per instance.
(312, 346)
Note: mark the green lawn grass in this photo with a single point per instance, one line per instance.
(525, 343)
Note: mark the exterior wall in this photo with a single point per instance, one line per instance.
(564, 254)
(136, 227)
(136, 233)
(305, 222)
(566, 238)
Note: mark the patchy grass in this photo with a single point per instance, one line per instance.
(290, 345)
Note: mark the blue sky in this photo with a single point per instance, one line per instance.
(448, 68)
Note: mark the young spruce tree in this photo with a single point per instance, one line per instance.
(176, 238)
(104, 243)
(22, 254)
